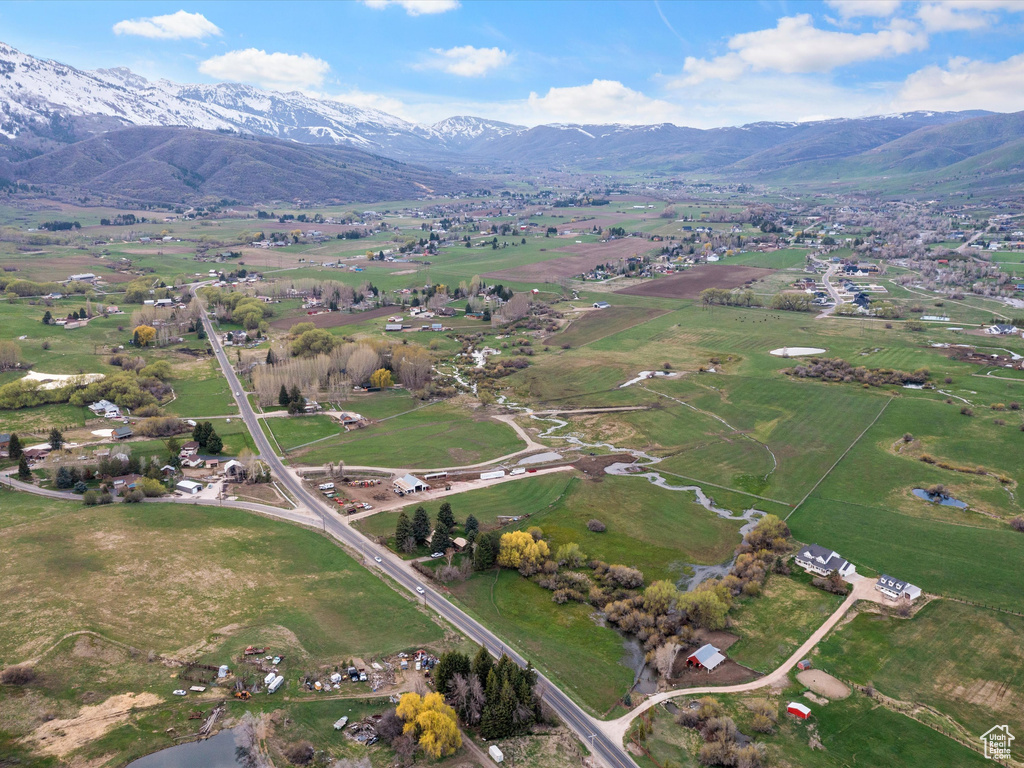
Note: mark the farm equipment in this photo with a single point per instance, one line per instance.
(243, 695)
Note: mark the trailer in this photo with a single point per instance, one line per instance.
(435, 475)
(339, 724)
(492, 475)
(278, 682)
(495, 753)
(518, 471)
(269, 678)
(326, 487)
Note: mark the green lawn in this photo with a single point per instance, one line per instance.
(205, 392)
(293, 431)
(962, 660)
(774, 624)
(563, 641)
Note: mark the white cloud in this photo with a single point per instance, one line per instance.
(795, 45)
(852, 9)
(173, 26)
(274, 70)
(467, 61)
(602, 101)
(966, 84)
(964, 15)
(416, 7)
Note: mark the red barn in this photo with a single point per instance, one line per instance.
(798, 709)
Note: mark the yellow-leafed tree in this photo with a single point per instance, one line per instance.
(143, 334)
(431, 722)
(381, 378)
(518, 547)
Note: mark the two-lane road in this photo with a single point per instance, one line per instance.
(606, 750)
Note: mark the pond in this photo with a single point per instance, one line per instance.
(939, 498)
(219, 751)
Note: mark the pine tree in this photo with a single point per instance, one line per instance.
(47, 318)
(197, 432)
(56, 439)
(420, 526)
(450, 664)
(485, 555)
(472, 525)
(214, 444)
(403, 530)
(282, 397)
(489, 718)
(24, 471)
(14, 449)
(482, 666)
(63, 479)
(442, 539)
(271, 359)
(295, 395)
(445, 516)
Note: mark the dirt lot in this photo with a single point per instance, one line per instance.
(690, 283)
(583, 257)
(727, 673)
(594, 465)
(334, 319)
(823, 684)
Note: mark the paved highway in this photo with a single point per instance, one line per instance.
(606, 750)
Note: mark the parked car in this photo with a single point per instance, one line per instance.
(437, 555)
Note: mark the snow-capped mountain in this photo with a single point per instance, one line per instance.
(45, 105)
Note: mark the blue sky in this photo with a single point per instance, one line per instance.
(702, 64)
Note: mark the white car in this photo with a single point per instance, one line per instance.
(436, 555)
(180, 692)
(421, 590)
(377, 558)
(238, 394)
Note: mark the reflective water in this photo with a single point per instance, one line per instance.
(942, 499)
(216, 752)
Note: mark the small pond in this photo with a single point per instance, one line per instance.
(939, 498)
(218, 751)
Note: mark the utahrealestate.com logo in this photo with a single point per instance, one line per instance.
(997, 742)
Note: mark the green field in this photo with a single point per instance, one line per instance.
(772, 626)
(962, 660)
(563, 641)
(439, 436)
(293, 431)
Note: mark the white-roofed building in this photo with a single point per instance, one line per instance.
(706, 657)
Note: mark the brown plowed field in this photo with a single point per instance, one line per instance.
(334, 319)
(583, 258)
(690, 283)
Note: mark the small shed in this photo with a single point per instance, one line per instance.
(805, 664)
(601, 305)
(122, 433)
(189, 486)
(495, 753)
(706, 657)
(797, 709)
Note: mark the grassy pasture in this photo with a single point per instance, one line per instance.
(563, 641)
(599, 323)
(438, 436)
(290, 432)
(785, 258)
(852, 731)
(962, 660)
(160, 576)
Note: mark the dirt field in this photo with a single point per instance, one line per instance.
(690, 283)
(59, 737)
(584, 257)
(823, 684)
(334, 319)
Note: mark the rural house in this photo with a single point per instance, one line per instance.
(122, 433)
(895, 589)
(706, 657)
(822, 561)
(191, 448)
(1001, 329)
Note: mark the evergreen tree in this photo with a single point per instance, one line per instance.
(403, 530)
(197, 432)
(482, 666)
(441, 541)
(420, 526)
(24, 471)
(271, 358)
(486, 554)
(214, 444)
(47, 318)
(472, 525)
(282, 396)
(295, 395)
(56, 439)
(492, 692)
(450, 664)
(445, 516)
(14, 449)
(63, 479)
(134, 465)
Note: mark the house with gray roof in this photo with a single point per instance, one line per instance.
(817, 559)
(894, 589)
